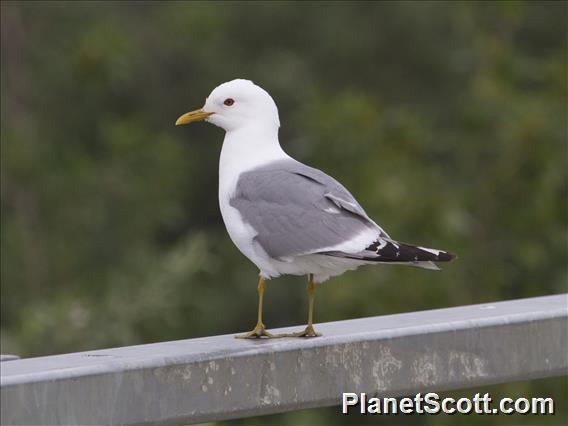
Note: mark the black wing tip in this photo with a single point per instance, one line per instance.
(446, 256)
(394, 251)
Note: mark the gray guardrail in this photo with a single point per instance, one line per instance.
(220, 377)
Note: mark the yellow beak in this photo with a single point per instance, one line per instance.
(190, 117)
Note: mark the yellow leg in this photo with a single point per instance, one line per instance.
(309, 331)
(259, 330)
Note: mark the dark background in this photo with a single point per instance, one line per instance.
(446, 120)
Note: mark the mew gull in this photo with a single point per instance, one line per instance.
(286, 217)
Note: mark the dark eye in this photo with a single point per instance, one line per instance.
(229, 101)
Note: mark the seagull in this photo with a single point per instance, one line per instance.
(284, 216)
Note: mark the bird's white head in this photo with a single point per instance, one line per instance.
(234, 105)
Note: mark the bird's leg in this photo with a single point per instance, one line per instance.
(309, 331)
(259, 330)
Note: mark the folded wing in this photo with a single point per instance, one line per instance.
(296, 210)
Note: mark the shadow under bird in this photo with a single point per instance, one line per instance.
(286, 217)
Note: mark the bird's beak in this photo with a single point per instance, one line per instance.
(190, 117)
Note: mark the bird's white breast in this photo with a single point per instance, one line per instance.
(244, 150)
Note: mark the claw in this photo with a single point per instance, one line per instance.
(258, 333)
(308, 332)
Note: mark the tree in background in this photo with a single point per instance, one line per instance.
(447, 121)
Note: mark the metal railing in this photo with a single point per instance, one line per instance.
(220, 377)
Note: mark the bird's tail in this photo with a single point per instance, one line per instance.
(385, 250)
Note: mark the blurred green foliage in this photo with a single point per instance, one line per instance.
(446, 120)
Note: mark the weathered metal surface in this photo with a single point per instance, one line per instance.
(214, 378)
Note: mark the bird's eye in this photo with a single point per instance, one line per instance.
(229, 101)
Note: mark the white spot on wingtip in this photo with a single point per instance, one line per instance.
(429, 250)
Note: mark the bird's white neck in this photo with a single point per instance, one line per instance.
(245, 149)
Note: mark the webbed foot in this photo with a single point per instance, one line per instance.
(308, 332)
(257, 333)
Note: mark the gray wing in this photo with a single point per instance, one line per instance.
(296, 209)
